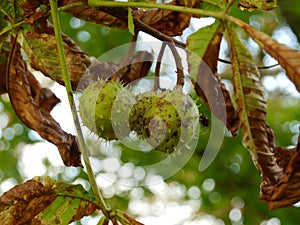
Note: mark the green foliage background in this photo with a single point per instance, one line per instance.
(232, 171)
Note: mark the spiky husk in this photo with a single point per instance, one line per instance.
(138, 110)
(95, 107)
(168, 121)
(162, 126)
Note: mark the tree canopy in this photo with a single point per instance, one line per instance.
(237, 60)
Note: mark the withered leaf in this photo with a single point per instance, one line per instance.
(97, 70)
(250, 5)
(43, 200)
(168, 22)
(288, 58)
(4, 52)
(286, 191)
(205, 43)
(33, 104)
(97, 16)
(42, 51)
(258, 138)
(3, 78)
(132, 221)
(123, 218)
(30, 6)
(136, 68)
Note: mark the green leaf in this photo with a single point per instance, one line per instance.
(199, 43)
(205, 39)
(45, 201)
(103, 221)
(60, 211)
(11, 8)
(6, 7)
(130, 22)
(17, 8)
(213, 5)
(42, 52)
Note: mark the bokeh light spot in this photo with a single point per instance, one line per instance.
(83, 36)
(208, 185)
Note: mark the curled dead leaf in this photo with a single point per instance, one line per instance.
(168, 22)
(251, 5)
(205, 43)
(3, 78)
(30, 6)
(286, 191)
(20, 204)
(33, 104)
(132, 221)
(137, 67)
(97, 16)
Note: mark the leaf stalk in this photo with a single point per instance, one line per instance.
(146, 5)
(66, 78)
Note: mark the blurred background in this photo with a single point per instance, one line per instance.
(227, 192)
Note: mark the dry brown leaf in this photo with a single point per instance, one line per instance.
(136, 68)
(3, 55)
(31, 197)
(168, 22)
(32, 105)
(251, 5)
(232, 118)
(97, 16)
(132, 221)
(32, 13)
(205, 43)
(30, 6)
(258, 138)
(97, 70)
(288, 58)
(27, 203)
(211, 59)
(286, 191)
(3, 78)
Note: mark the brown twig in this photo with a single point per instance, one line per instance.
(158, 65)
(125, 61)
(180, 74)
(139, 25)
(155, 33)
(171, 43)
(259, 67)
